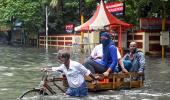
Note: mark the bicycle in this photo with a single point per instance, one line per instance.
(44, 87)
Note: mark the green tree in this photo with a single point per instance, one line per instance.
(61, 12)
(68, 11)
(27, 11)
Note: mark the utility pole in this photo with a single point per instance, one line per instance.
(46, 11)
(163, 28)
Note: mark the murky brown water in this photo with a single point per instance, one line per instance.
(19, 71)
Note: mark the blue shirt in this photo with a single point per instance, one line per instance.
(109, 59)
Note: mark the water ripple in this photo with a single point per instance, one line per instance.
(20, 70)
(7, 74)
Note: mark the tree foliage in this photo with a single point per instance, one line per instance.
(26, 11)
(61, 12)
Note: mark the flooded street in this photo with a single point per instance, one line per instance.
(20, 71)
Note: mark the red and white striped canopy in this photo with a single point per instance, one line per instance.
(102, 17)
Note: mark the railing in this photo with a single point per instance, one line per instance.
(57, 41)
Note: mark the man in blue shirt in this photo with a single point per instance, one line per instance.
(109, 60)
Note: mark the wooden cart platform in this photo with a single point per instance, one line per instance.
(117, 81)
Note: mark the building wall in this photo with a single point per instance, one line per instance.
(56, 41)
(90, 40)
(138, 37)
(70, 41)
(148, 42)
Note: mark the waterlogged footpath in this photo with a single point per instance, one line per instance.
(19, 71)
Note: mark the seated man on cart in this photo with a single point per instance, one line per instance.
(109, 60)
(134, 60)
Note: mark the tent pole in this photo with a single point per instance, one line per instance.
(120, 41)
(82, 34)
(89, 41)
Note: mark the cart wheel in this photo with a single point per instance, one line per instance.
(32, 93)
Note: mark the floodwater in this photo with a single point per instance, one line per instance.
(20, 71)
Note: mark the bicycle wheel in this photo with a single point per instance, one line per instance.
(32, 93)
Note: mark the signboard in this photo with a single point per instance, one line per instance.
(153, 23)
(69, 28)
(164, 38)
(116, 8)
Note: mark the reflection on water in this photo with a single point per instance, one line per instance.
(19, 71)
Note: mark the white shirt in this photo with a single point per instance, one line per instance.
(98, 52)
(75, 74)
(118, 54)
